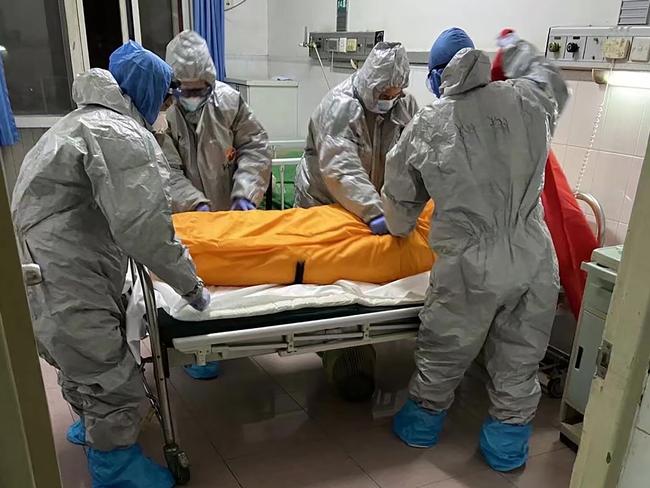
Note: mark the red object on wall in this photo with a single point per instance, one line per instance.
(572, 237)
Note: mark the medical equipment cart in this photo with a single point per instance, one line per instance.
(588, 358)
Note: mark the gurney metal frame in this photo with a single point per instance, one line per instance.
(176, 458)
(299, 337)
(281, 163)
(287, 339)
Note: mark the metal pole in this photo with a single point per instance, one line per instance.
(156, 353)
(135, 11)
(176, 17)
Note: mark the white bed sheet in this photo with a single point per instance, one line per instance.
(230, 302)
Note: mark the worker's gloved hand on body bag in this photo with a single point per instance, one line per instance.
(202, 207)
(242, 204)
(378, 226)
(199, 298)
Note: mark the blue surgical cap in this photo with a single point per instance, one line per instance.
(446, 46)
(143, 76)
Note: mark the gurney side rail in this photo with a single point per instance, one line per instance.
(299, 337)
(189, 344)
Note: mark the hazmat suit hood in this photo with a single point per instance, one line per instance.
(190, 58)
(98, 87)
(143, 76)
(387, 66)
(468, 69)
(445, 47)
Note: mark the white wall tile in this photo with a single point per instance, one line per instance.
(611, 177)
(644, 132)
(630, 192)
(572, 162)
(621, 233)
(561, 135)
(586, 101)
(619, 131)
(611, 232)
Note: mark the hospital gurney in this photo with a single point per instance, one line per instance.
(177, 342)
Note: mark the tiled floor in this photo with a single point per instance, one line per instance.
(274, 422)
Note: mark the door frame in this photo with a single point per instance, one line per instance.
(616, 394)
(27, 445)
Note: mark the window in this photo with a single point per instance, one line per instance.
(103, 30)
(37, 66)
(50, 41)
(156, 24)
(109, 23)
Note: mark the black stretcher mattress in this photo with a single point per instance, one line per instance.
(171, 328)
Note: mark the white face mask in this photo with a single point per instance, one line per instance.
(384, 106)
(191, 104)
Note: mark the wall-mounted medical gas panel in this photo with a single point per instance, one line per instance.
(623, 47)
(343, 46)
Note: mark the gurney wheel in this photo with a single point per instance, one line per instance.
(179, 464)
(351, 371)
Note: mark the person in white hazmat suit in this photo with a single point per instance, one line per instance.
(350, 132)
(218, 151)
(91, 192)
(480, 152)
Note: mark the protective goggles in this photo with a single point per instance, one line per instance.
(194, 92)
(174, 86)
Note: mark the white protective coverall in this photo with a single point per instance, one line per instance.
(91, 192)
(480, 152)
(220, 152)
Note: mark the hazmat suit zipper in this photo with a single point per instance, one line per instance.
(376, 173)
(194, 134)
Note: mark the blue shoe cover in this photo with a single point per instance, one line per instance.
(505, 446)
(417, 426)
(127, 468)
(77, 433)
(209, 371)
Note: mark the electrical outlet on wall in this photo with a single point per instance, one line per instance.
(616, 48)
(640, 50)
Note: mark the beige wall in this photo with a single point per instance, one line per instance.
(615, 164)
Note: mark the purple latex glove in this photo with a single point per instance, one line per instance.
(378, 226)
(202, 207)
(242, 204)
(199, 298)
